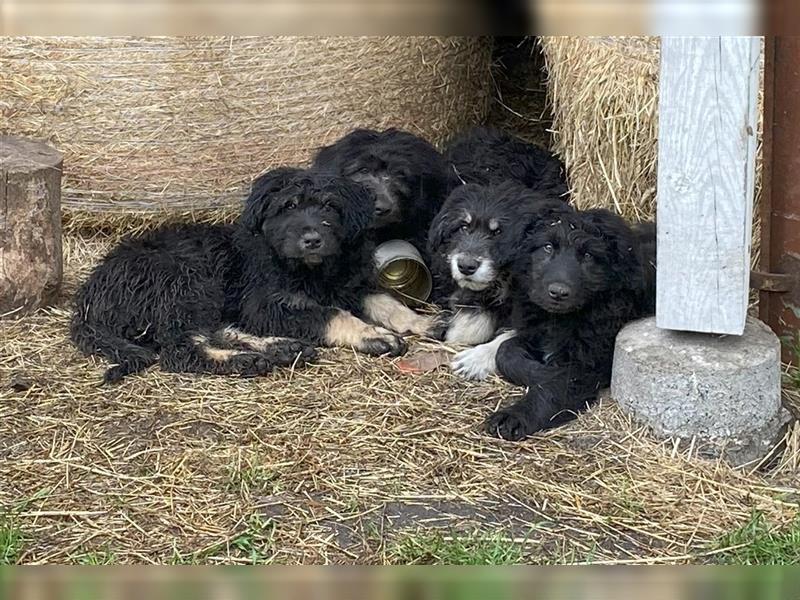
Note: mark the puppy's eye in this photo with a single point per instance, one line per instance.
(464, 227)
(364, 170)
(291, 205)
(496, 231)
(326, 223)
(587, 256)
(548, 248)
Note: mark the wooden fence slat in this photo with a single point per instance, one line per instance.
(706, 165)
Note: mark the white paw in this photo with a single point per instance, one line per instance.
(477, 363)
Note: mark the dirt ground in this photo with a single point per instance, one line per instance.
(348, 461)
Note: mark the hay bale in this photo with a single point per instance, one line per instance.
(183, 124)
(604, 96)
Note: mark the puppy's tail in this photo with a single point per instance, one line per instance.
(92, 339)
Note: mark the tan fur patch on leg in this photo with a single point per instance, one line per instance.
(219, 355)
(346, 330)
(389, 312)
(232, 335)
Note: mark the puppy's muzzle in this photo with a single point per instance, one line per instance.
(559, 291)
(472, 272)
(310, 240)
(467, 265)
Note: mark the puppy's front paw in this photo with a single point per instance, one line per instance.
(247, 364)
(378, 341)
(437, 326)
(510, 424)
(291, 352)
(476, 363)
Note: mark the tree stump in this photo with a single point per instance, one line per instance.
(30, 225)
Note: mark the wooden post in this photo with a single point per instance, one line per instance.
(30, 225)
(706, 165)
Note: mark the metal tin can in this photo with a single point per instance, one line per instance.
(402, 271)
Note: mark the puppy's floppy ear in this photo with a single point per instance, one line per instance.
(437, 233)
(611, 226)
(358, 205)
(543, 212)
(619, 236)
(261, 192)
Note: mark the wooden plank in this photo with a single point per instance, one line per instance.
(706, 164)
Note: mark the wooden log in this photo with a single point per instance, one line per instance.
(30, 225)
(706, 164)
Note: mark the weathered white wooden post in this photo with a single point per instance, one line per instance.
(702, 370)
(706, 164)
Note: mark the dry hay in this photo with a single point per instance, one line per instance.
(604, 96)
(183, 124)
(331, 463)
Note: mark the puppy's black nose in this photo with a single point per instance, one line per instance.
(558, 291)
(311, 240)
(467, 266)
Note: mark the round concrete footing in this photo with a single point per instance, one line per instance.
(723, 392)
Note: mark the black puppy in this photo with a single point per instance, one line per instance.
(472, 241)
(581, 277)
(406, 174)
(293, 273)
(490, 156)
(309, 271)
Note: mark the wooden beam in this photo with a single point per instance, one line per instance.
(706, 166)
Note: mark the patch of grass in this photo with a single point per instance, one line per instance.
(10, 541)
(254, 545)
(435, 548)
(792, 344)
(254, 542)
(254, 477)
(758, 542)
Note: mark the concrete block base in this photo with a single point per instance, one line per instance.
(723, 392)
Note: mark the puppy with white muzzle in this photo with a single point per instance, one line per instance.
(472, 242)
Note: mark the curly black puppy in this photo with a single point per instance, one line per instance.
(293, 273)
(407, 175)
(581, 277)
(309, 270)
(472, 242)
(490, 156)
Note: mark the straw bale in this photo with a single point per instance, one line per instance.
(604, 96)
(183, 124)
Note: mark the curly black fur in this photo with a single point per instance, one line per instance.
(299, 257)
(286, 290)
(581, 277)
(490, 156)
(406, 174)
(472, 242)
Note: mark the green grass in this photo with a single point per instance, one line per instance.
(10, 541)
(757, 542)
(254, 544)
(254, 478)
(435, 548)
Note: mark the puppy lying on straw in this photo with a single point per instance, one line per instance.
(295, 272)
